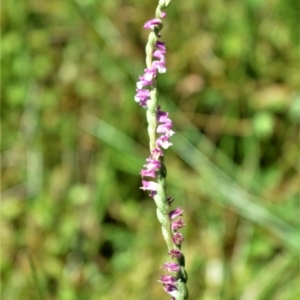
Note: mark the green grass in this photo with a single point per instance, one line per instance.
(74, 223)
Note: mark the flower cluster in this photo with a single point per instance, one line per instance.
(143, 94)
(162, 131)
(170, 282)
(158, 66)
(153, 162)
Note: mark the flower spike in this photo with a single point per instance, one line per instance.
(160, 130)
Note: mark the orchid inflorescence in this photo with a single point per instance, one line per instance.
(159, 124)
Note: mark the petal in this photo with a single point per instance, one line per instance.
(167, 279)
(160, 65)
(162, 116)
(140, 84)
(166, 129)
(163, 15)
(156, 153)
(151, 23)
(171, 289)
(175, 213)
(177, 224)
(149, 74)
(149, 185)
(177, 238)
(152, 164)
(163, 141)
(159, 54)
(142, 95)
(160, 45)
(148, 173)
(175, 253)
(171, 267)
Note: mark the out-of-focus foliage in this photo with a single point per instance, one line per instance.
(74, 224)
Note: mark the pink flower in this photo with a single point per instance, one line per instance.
(160, 65)
(171, 267)
(151, 167)
(143, 82)
(163, 141)
(149, 74)
(177, 224)
(162, 116)
(149, 185)
(142, 96)
(152, 164)
(171, 289)
(160, 45)
(148, 173)
(175, 213)
(177, 238)
(163, 15)
(156, 153)
(152, 23)
(159, 54)
(175, 253)
(168, 280)
(166, 129)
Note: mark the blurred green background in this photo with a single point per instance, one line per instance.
(74, 224)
